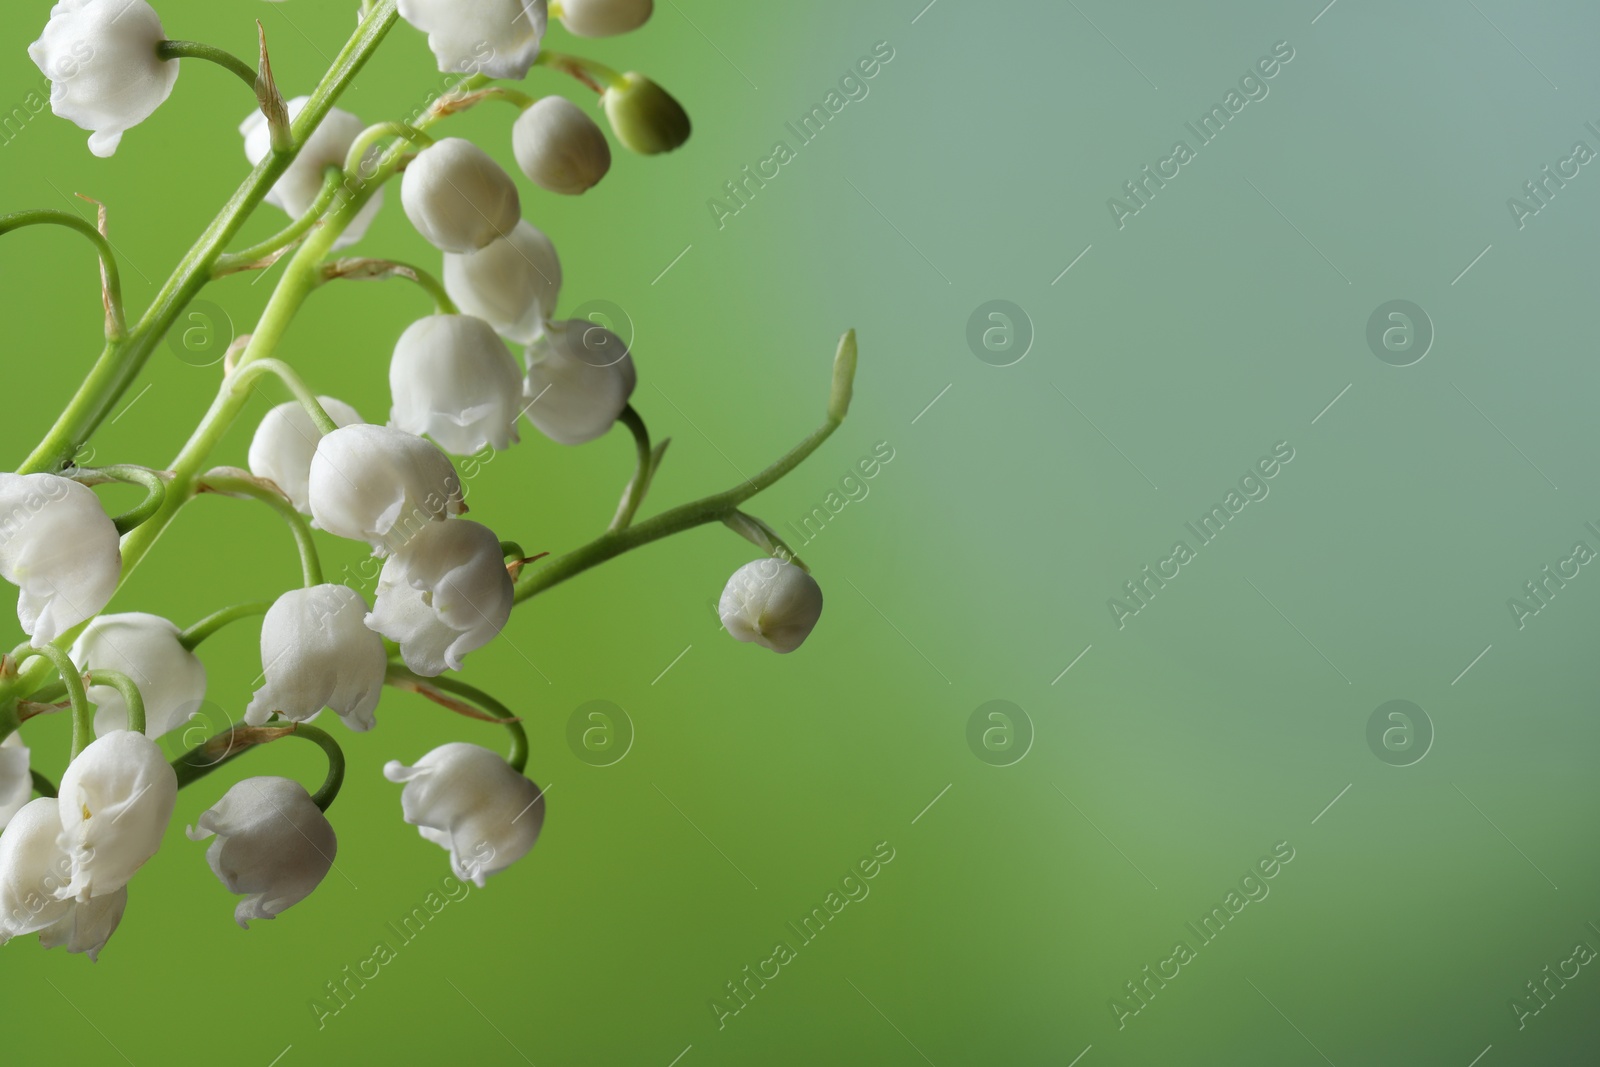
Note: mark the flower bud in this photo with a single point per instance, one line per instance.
(467, 799)
(580, 377)
(380, 485)
(116, 798)
(560, 148)
(171, 679)
(499, 38)
(317, 652)
(604, 18)
(442, 595)
(644, 116)
(273, 845)
(33, 870)
(16, 778)
(453, 379)
(771, 602)
(86, 927)
(327, 146)
(511, 283)
(100, 57)
(286, 440)
(457, 197)
(58, 545)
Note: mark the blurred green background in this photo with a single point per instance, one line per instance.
(1040, 867)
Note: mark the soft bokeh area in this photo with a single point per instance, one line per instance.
(1183, 337)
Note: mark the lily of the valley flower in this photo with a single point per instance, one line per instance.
(511, 283)
(644, 116)
(560, 148)
(604, 18)
(171, 679)
(771, 602)
(86, 927)
(301, 184)
(453, 379)
(16, 779)
(499, 38)
(580, 377)
(380, 485)
(317, 652)
(116, 799)
(467, 799)
(33, 871)
(100, 57)
(444, 594)
(273, 845)
(457, 197)
(59, 546)
(285, 441)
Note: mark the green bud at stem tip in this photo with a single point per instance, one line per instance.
(844, 377)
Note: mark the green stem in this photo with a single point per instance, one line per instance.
(130, 695)
(233, 485)
(584, 69)
(243, 379)
(211, 54)
(633, 497)
(246, 257)
(44, 786)
(234, 742)
(119, 366)
(191, 638)
(355, 158)
(116, 327)
(82, 713)
(363, 269)
(401, 678)
(155, 490)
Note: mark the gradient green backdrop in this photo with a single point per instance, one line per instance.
(1178, 750)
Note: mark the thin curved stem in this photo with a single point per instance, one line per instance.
(245, 258)
(82, 713)
(220, 481)
(355, 158)
(713, 508)
(235, 741)
(584, 69)
(364, 269)
(130, 695)
(240, 381)
(633, 496)
(154, 485)
(191, 638)
(211, 54)
(433, 688)
(111, 278)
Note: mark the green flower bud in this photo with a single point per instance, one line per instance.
(644, 116)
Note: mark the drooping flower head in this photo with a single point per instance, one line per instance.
(60, 547)
(772, 602)
(444, 594)
(580, 377)
(286, 439)
(171, 679)
(317, 652)
(511, 283)
(560, 148)
(467, 799)
(453, 379)
(273, 845)
(380, 485)
(499, 38)
(327, 146)
(116, 799)
(458, 198)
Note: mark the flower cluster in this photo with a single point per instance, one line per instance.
(461, 378)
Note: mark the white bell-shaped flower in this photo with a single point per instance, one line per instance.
(116, 799)
(61, 548)
(511, 283)
(457, 197)
(453, 379)
(301, 184)
(100, 57)
(467, 799)
(33, 870)
(86, 927)
(316, 652)
(443, 595)
(171, 679)
(580, 377)
(380, 485)
(771, 602)
(560, 148)
(604, 18)
(16, 778)
(499, 38)
(273, 845)
(285, 441)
